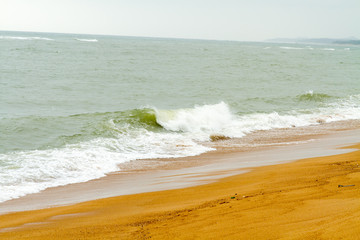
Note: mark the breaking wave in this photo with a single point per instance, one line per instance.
(26, 38)
(109, 139)
(86, 40)
(311, 96)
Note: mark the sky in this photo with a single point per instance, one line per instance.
(251, 20)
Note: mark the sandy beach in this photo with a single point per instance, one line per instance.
(192, 120)
(314, 198)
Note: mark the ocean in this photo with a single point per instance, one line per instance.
(75, 107)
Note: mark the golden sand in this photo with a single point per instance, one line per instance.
(298, 200)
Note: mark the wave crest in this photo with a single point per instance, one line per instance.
(26, 38)
(206, 118)
(86, 40)
(104, 140)
(311, 96)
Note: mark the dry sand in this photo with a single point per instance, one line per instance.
(297, 200)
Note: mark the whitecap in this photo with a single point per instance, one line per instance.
(26, 38)
(206, 118)
(26, 172)
(291, 48)
(86, 40)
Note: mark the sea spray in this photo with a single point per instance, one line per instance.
(206, 118)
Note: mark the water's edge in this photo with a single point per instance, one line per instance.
(219, 165)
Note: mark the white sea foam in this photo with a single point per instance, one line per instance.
(26, 38)
(203, 121)
(306, 48)
(32, 171)
(297, 48)
(200, 119)
(328, 49)
(310, 92)
(292, 48)
(28, 172)
(86, 40)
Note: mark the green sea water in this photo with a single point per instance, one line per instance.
(72, 107)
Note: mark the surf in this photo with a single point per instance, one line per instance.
(86, 40)
(26, 38)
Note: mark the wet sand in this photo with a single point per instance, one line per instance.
(191, 171)
(293, 200)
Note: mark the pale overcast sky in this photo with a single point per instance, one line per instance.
(203, 19)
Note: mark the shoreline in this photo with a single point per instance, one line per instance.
(194, 170)
(295, 200)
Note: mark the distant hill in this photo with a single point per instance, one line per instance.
(347, 41)
(352, 42)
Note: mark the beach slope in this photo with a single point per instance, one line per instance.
(317, 198)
